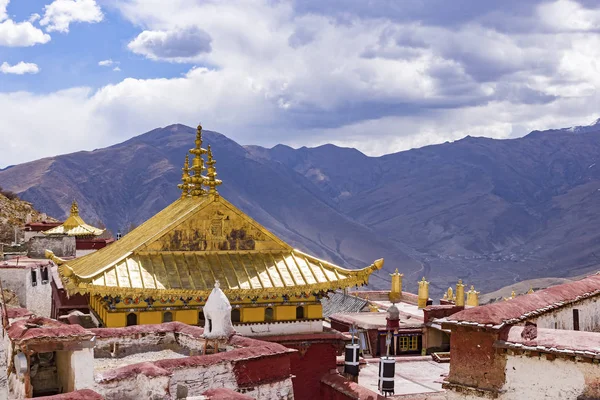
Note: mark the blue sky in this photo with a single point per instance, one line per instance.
(379, 75)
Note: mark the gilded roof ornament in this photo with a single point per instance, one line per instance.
(197, 179)
(185, 177)
(74, 209)
(212, 181)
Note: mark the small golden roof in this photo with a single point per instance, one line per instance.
(74, 225)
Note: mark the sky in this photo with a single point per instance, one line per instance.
(382, 76)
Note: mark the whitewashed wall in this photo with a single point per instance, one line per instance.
(538, 378)
(589, 316)
(38, 298)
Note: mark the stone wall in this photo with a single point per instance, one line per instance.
(61, 246)
(263, 377)
(260, 369)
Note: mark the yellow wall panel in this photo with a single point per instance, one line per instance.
(189, 317)
(285, 313)
(115, 320)
(253, 314)
(313, 311)
(150, 317)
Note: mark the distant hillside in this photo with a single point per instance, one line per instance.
(492, 212)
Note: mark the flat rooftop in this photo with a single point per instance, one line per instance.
(412, 377)
(105, 364)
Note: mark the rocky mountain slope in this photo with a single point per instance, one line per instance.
(492, 212)
(15, 212)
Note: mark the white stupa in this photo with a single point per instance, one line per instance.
(217, 313)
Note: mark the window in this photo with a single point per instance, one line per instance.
(168, 316)
(131, 319)
(575, 319)
(201, 317)
(269, 314)
(300, 312)
(44, 275)
(408, 343)
(235, 315)
(33, 277)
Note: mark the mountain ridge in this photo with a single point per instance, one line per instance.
(484, 210)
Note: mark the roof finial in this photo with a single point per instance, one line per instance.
(185, 177)
(197, 180)
(74, 209)
(212, 182)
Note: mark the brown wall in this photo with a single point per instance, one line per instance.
(474, 360)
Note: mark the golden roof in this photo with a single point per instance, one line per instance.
(74, 225)
(198, 239)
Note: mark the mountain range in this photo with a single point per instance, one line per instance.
(492, 212)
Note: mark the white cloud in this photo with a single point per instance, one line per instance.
(61, 13)
(3, 5)
(21, 34)
(19, 68)
(179, 45)
(381, 85)
(116, 69)
(107, 63)
(34, 17)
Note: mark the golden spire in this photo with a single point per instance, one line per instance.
(212, 181)
(530, 289)
(197, 180)
(74, 209)
(185, 177)
(473, 297)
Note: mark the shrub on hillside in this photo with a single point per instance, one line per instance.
(8, 194)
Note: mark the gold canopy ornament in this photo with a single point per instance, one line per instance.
(212, 182)
(197, 179)
(185, 177)
(74, 209)
(192, 178)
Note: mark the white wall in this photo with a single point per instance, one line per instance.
(82, 368)
(279, 328)
(538, 378)
(37, 299)
(589, 316)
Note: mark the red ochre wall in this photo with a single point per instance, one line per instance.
(475, 362)
(267, 369)
(309, 369)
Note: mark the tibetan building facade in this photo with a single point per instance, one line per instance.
(165, 269)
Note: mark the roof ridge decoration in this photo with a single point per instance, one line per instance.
(212, 182)
(74, 209)
(192, 178)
